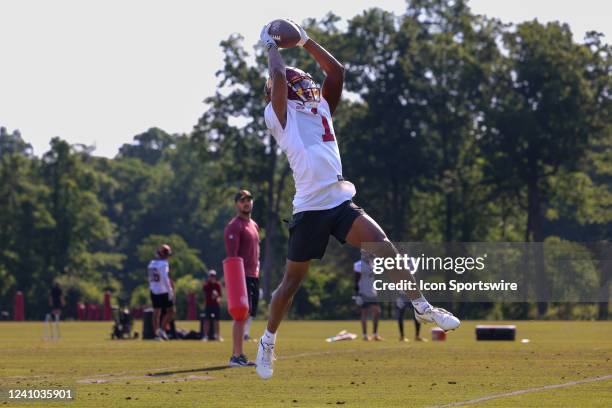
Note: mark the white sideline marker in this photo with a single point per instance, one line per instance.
(525, 391)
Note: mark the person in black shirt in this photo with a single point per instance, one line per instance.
(56, 300)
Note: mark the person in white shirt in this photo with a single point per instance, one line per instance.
(299, 117)
(365, 298)
(162, 291)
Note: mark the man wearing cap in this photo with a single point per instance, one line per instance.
(162, 290)
(212, 296)
(242, 240)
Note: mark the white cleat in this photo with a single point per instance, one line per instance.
(162, 334)
(265, 360)
(442, 317)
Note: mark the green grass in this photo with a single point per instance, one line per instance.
(311, 372)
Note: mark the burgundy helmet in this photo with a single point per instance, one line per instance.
(164, 251)
(300, 86)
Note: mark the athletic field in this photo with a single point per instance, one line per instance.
(564, 364)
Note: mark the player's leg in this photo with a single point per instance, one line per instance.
(238, 359)
(417, 328)
(247, 322)
(364, 322)
(156, 318)
(237, 340)
(217, 329)
(253, 293)
(156, 315)
(47, 329)
(206, 328)
(283, 295)
(247, 328)
(167, 318)
(400, 322)
(282, 298)
(56, 317)
(375, 316)
(365, 229)
(308, 237)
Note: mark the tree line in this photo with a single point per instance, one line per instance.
(453, 126)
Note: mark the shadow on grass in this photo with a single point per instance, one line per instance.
(193, 370)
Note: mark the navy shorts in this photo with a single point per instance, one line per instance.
(252, 285)
(367, 304)
(309, 231)
(161, 301)
(213, 312)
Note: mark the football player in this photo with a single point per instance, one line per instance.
(162, 291)
(299, 116)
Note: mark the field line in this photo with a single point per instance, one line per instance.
(348, 351)
(121, 376)
(524, 391)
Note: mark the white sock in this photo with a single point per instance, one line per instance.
(421, 304)
(247, 327)
(268, 337)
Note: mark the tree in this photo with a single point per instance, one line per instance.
(24, 218)
(148, 146)
(13, 143)
(79, 227)
(542, 117)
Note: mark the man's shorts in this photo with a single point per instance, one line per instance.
(161, 301)
(366, 305)
(252, 285)
(212, 312)
(309, 231)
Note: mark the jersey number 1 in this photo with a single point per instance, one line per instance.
(328, 136)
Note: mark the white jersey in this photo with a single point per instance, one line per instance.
(366, 281)
(309, 142)
(159, 276)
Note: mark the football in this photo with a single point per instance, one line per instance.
(284, 32)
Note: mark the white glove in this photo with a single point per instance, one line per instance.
(358, 300)
(303, 36)
(265, 38)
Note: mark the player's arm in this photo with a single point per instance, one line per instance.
(334, 70)
(276, 69)
(170, 283)
(232, 240)
(357, 278)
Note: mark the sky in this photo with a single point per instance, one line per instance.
(99, 72)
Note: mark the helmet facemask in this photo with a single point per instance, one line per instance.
(300, 87)
(306, 90)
